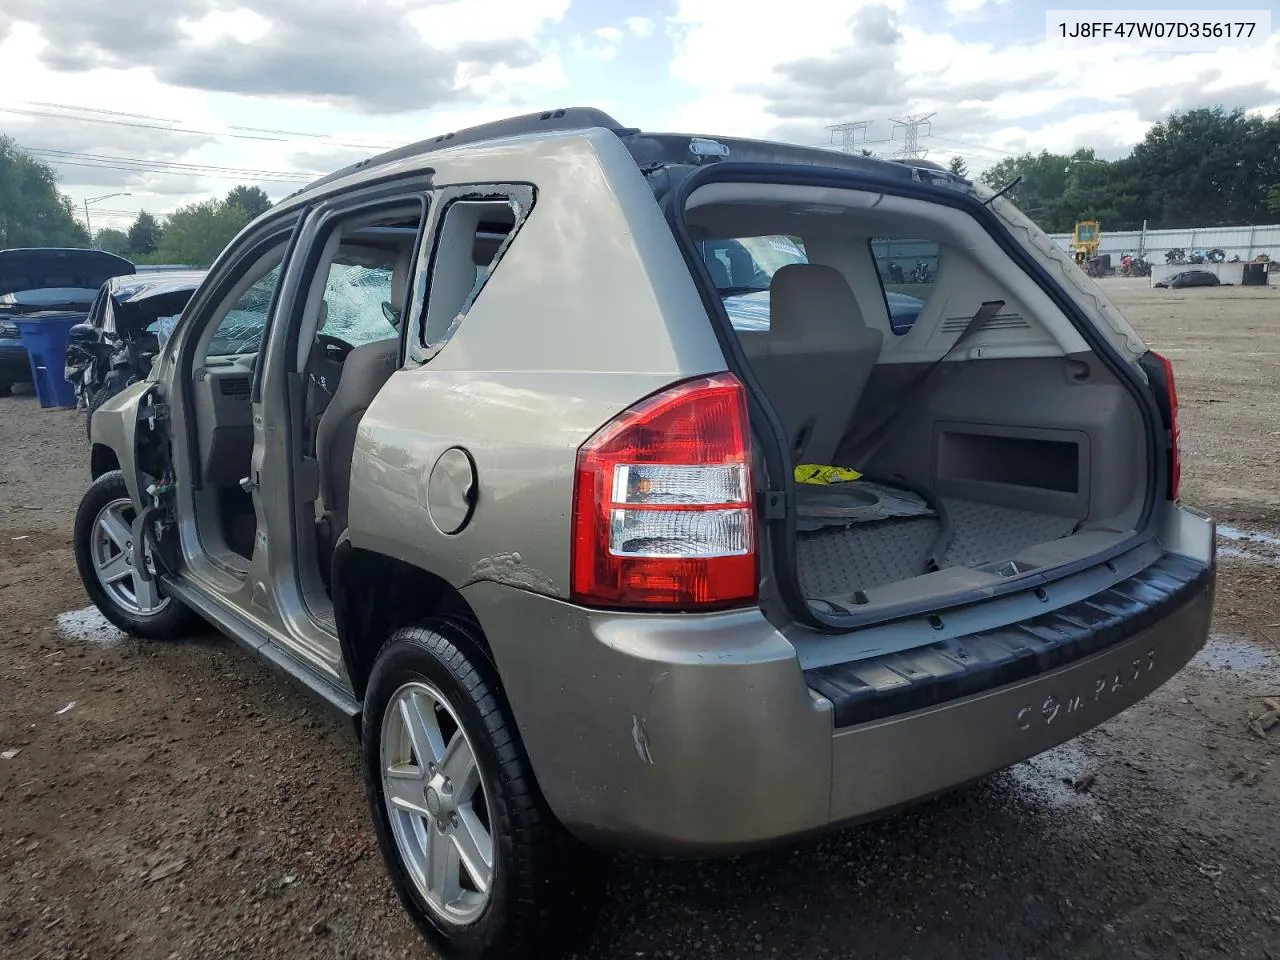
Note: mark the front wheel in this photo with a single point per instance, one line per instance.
(103, 541)
(476, 856)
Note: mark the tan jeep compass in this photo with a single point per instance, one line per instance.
(652, 492)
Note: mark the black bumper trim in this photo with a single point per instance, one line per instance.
(895, 683)
(14, 362)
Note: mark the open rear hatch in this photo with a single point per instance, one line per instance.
(53, 269)
(949, 424)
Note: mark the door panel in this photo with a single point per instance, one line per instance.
(336, 258)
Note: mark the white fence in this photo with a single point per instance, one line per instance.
(1243, 242)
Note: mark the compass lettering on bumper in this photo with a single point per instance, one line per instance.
(1105, 686)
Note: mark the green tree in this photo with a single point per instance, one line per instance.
(253, 200)
(1273, 199)
(1209, 167)
(1042, 192)
(112, 241)
(957, 166)
(195, 234)
(33, 212)
(144, 235)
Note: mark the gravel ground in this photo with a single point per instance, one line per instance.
(178, 801)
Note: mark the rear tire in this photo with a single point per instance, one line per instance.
(103, 541)
(6, 389)
(540, 887)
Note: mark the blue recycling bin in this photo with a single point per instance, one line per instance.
(46, 341)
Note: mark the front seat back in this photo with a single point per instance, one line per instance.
(815, 360)
(364, 372)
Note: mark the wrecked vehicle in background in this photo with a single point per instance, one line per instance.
(1190, 278)
(546, 529)
(53, 283)
(127, 325)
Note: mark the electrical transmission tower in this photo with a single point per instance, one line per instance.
(910, 126)
(848, 136)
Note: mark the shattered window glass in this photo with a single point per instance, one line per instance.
(357, 303)
(241, 329)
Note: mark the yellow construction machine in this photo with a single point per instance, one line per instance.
(1085, 240)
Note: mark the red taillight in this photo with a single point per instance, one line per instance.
(663, 513)
(1175, 459)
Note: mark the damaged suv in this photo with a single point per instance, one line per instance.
(596, 557)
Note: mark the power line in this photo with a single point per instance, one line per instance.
(311, 135)
(113, 113)
(174, 164)
(973, 146)
(181, 173)
(319, 136)
(115, 121)
(45, 115)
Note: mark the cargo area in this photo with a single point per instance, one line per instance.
(949, 427)
(1018, 465)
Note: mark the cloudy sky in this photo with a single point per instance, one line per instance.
(177, 100)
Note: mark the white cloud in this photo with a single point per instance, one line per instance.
(750, 72)
(829, 62)
(491, 40)
(459, 21)
(639, 26)
(960, 8)
(240, 24)
(598, 46)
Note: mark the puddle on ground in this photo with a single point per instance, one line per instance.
(1228, 532)
(89, 626)
(1050, 777)
(1236, 553)
(1257, 546)
(1225, 652)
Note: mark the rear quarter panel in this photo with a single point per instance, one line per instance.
(591, 309)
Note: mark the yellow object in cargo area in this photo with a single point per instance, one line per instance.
(822, 473)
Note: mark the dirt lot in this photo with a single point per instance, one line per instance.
(189, 804)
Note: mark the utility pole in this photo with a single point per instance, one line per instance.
(910, 126)
(88, 200)
(849, 135)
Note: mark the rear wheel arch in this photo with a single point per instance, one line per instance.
(102, 459)
(375, 594)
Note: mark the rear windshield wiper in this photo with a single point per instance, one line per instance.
(739, 291)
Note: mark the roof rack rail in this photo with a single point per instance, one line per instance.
(565, 118)
(920, 162)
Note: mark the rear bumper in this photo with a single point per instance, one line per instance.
(882, 764)
(693, 735)
(15, 367)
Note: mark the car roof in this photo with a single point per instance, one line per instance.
(648, 149)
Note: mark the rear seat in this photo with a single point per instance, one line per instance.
(815, 359)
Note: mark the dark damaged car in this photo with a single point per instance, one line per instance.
(127, 325)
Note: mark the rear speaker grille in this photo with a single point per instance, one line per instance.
(1003, 321)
